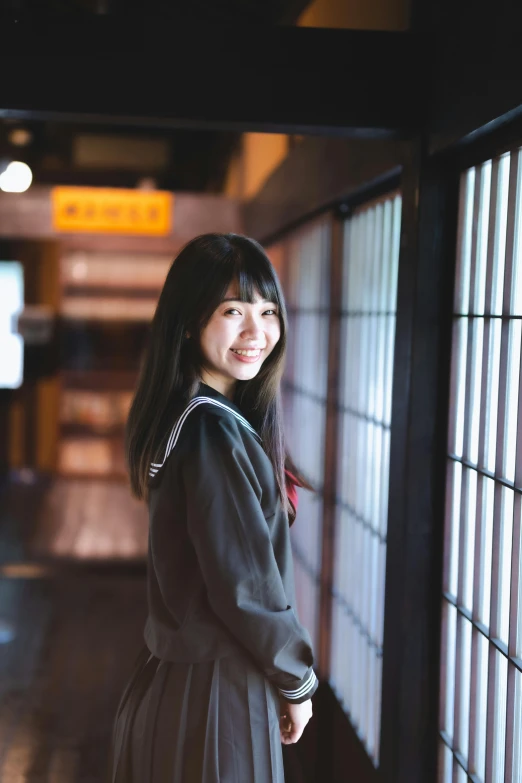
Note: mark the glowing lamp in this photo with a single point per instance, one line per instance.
(16, 178)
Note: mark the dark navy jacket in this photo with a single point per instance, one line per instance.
(220, 571)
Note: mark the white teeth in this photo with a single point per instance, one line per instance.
(247, 353)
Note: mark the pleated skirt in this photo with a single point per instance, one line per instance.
(210, 722)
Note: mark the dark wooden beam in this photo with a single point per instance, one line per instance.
(157, 72)
(331, 446)
(265, 11)
(409, 725)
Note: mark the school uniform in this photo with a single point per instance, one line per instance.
(223, 640)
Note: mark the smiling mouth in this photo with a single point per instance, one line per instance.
(250, 353)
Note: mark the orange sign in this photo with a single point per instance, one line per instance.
(112, 211)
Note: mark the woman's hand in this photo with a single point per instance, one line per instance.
(293, 719)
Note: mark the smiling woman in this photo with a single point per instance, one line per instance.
(237, 340)
(192, 332)
(226, 674)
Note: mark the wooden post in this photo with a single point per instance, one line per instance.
(331, 446)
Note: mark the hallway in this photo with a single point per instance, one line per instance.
(374, 151)
(77, 621)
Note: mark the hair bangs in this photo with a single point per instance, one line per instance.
(254, 275)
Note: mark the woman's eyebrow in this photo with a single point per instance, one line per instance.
(235, 299)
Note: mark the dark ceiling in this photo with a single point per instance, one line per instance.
(73, 154)
(236, 11)
(175, 159)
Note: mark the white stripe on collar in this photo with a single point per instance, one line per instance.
(174, 435)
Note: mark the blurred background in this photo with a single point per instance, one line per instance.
(373, 147)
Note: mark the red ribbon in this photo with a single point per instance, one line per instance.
(291, 491)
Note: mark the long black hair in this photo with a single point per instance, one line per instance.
(169, 375)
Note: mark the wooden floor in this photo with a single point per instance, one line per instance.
(73, 519)
(72, 595)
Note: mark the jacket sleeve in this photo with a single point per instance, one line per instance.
(232, 541)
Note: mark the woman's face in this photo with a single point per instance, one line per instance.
(235, 328)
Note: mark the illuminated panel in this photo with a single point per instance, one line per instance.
(480, 715)
(111, 286)
(370, 270)
(112, 211)
(108, 308)
(11, 344)
(305, 387)
(113, 270)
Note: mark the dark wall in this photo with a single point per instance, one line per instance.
(472, 66)
(318, 172)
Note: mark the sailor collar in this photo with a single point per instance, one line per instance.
(206, 395)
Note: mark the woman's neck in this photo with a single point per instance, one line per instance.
(219, 385)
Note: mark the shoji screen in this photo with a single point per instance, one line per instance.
(307, 294)
(370, 267)
(481, 670)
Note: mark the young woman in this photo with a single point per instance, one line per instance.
(226, 673)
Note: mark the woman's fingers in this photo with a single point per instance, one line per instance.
(291, 732)
(289, 737)
(293, 719)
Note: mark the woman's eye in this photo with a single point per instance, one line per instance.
(234, 311)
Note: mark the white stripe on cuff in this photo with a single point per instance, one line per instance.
(305, 687)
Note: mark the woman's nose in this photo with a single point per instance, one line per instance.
(252, 327)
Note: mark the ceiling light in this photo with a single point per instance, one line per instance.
(20, 137)
(16, 178)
